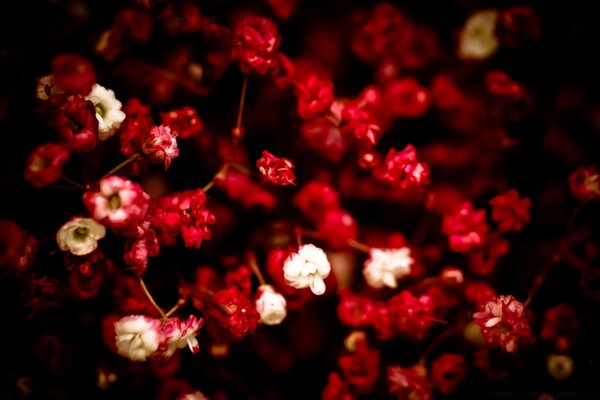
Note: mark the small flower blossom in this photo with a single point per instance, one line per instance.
(509, 211)
(137, 337)
(256, 42)
(336, 389)
(80, 236)
(409, 383)
(361, 368)
(385, 266)
(177, 334)
(315, 96)
(119, 204)
(518, 25)
(317, 198)
(17, 247)
(88, 273)
(402, 168)
(307, 268)
(560, 326)
(239, 316)
(73, 73)
(585, 184)
(45, 164)
(74, 120)
(276, 170)
(411, 316)
(270, 305)
(160, 146)
(466, 228)
(478, 39)
(337, 227)
(108, 111)
(195, 395)
(360, 123)
(354, 310)
(195, 219)
(447, 372)
(184, 123)
(139, 250)
(503, 322)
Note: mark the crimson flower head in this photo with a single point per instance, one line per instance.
(74, 119)
(585, 184)
(45, 164)
(276, 170)
(17, 247)
(256, 43)
(409, 382)
(361, 368)
(315, 96)
(118, 203)
(238, 315)
(160, 145)
(402, 168)
(447, 372)
(411, 316)
(195, 219)
(560, 326)
(503, 322)
(466, 228)
(73, 73)
(360, 123)
(317, 198)
(184, 122)
(509, 211)
(140, 249)
(337, 227)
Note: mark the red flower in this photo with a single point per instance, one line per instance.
(181, 17)
(160, 145)
(73, 73)
(276, 170)
(45, 164)
(585, 184)
(256, 42)
(518, 25)
(361, 368)
(240, 316)
(240, 187)
(240, 278)
(337, 227)
(412, 316)
(74, 119)
(500, 84)
(503, 322)
(140, 249)
(447, 372)
(466, 228)
(315, 96)
(195, 218)
(316, 199)
(87, 274)
(402, 168)
(336, 389)
(184, 122)
(479, 293)
(406, 98)
(509, 211)
(355, 311)
(136, 127)
(358, 122)
(561, 326)
(409, 383)
(17, 247)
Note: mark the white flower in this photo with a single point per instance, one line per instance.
(137, 337)
(192, 396)
(45, 87)
(385, 266)
(108, 111)
(477, 39)
(80, 236)
(307, 268)
(178, 334)
(270, 305)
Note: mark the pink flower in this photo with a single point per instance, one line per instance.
(412, 316)
(137, 337)
(256, 42)
(409, 383)
(139, 250)
(276, 170)
(402, 168)
(45, 164)
(240, 318)
(177, 334)
(466, 228)
(160, 145)
(184, 122)
(509, 211)
(315, 96)
(195, 219)
(585, 184)
(503, 322)
(74, 119)
(119, 204)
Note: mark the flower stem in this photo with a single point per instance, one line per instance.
(123, 164)
(221, 171)
(238, 123)
(72, 182)
(358, 245)
(206, 296)
(255, 269)
(149, 296)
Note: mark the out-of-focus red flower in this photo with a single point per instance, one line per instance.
(445, 93)
(129, 297)
(479, 293)
(240, 278)
(17, 247)
(87, 274)
(139, 250)
(466, 228)
(500, 84)
(181, 17)
(240, 187)
(447, 372)
(585, 184)
(256, 42)
(45, 164)
(406, 98)
(560, 326)
(184, 122)
(323, 135)
(358, 122)
(336, 227)
(504, 324)
(277, 170)
(315, 96)
(316, 198)
(518, 25)
(402, 168)
(74, 119)
(336, 389)
(354, 310)
(361, 368)
(412, 316)
(73, 73)
(509, 211)
(409, 383)
(483, 260)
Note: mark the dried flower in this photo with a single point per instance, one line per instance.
(308, 267)
(385, 266)
(270, 305)
(137, 337)
(276, 170)
(108, 111)
(80, 236)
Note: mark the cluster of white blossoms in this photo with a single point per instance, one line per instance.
(308, 267)
(108, 111)
(478, 37)
(271, 305)
(386, 266)
(80, 236)
(139, 337)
